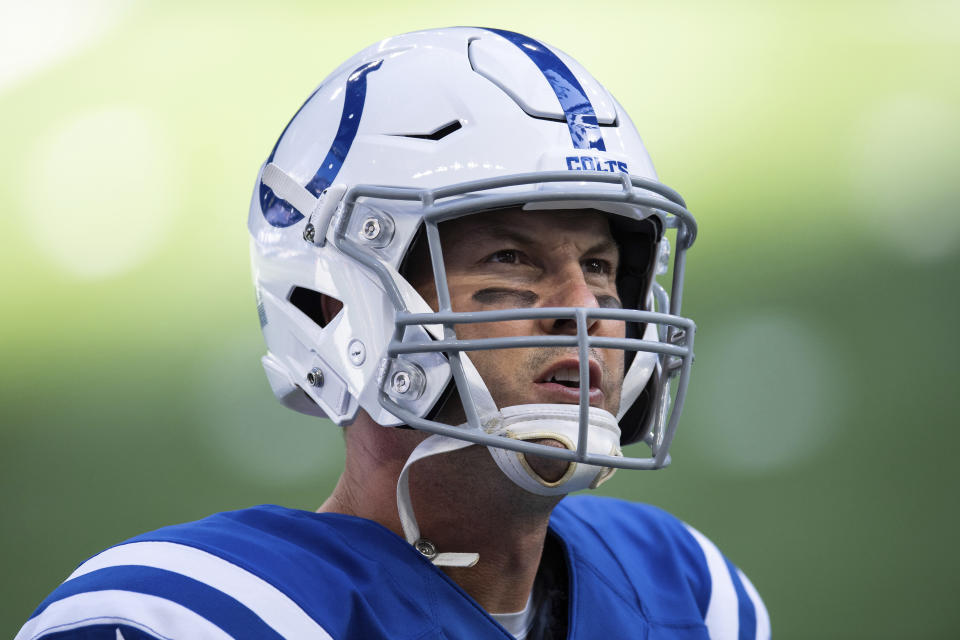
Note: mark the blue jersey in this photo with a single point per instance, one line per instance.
(631, 571)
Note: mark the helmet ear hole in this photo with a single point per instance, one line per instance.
(635, 272)
(331, 307)
(317, 306)
(636, 422)
(417, 267)
(636, 268)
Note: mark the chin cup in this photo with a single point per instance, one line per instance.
(559, 422)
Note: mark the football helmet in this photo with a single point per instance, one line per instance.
(430, 126)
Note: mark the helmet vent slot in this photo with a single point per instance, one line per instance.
(310, 302)
(439, 134)
(614, 124)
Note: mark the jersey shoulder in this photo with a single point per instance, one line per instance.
(264, 572)
(676, 574)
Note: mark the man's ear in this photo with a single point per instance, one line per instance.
(330, 308)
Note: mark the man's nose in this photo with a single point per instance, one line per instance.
(569, 290)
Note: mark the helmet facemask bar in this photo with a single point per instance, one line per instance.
(397, 377)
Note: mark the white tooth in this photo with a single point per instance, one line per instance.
(566, 375)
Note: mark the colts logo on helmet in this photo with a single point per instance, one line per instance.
(593, 163)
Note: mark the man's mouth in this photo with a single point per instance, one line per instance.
(567, 377)
(561, 382)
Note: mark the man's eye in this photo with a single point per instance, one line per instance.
(507, 256)
(596, 265)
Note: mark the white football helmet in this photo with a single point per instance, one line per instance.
(426, 127)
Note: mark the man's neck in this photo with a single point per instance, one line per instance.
(462, 502)
(502, 580)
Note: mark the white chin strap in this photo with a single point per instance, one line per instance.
(411, 530)
(559, 422)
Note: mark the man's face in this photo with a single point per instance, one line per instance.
(514, 259)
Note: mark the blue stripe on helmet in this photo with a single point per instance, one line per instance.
(581, 118)
(281, 213)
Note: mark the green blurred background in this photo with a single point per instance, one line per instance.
(817, 143)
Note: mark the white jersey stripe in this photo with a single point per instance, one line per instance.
(723, 612)
(270, 604)
(154, 615)
(763, 618)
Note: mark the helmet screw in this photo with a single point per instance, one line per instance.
(315, 377)
(309, 232)
(356, 352)
(426, 548)
(401, 382)
(370, 229)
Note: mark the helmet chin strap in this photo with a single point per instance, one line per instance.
(558, 422)
(411, 530)
(523, 422)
